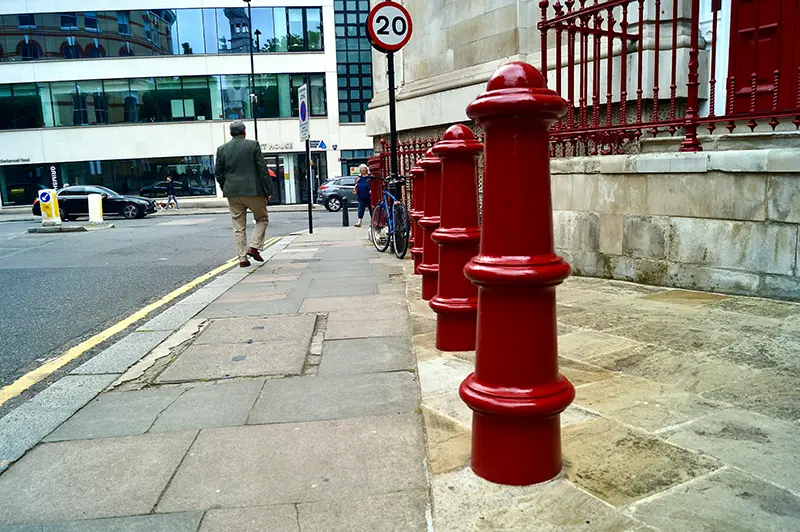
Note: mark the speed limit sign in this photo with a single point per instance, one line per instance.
(389, 26)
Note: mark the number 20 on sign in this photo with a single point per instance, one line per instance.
(389, 26)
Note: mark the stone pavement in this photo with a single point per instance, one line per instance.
(267, 401)
(686, 416)
(302, 395)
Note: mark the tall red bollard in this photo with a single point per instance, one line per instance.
(417, 211)
(429, 269)
(458, 237)
(516, 392)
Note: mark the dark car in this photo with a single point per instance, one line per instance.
(159, 190)
(333, 191)
(73, 202)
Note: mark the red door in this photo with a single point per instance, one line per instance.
(763, 41)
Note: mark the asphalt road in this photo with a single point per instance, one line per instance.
(57, 290)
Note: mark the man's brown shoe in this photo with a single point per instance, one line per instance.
(244, 264)
(253, 252)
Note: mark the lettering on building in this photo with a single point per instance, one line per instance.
(278, 146)
(13, 161)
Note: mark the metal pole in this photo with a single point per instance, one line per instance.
(310, 192)
(392, 115)
(252, 71)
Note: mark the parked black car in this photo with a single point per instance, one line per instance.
(159, 190)
(333, 191)
(73, 202)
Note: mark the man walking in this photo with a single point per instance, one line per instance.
(242, 174)
(171, 193)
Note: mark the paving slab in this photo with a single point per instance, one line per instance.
(300, 462)
(464, 502)
(764, 447)
(218, 361)
(390, 311)
(642, 403)
(686, 297)
(772, 393)
(90, 479)
(693, 372)
(26, 425)
(256, 308)
(621, 466)
(679, 332)
(582, 345)
(764, 351)
(173, 318)
(365, 304)
(607, 320)
(442, 375)
(277, 518)
(366, 355)
(180, 522)
(117, 414)
(342, 330)
(335, 397)
(580, 373)
(403, 511)
(248, 330)
(123, 354)
(336, 290)
(209, 405)
(764, 308)
(449, 441)
(204, 296)
(728, 500)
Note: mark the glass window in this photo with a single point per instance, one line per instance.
(285, 95)
(297, 81)
(27, 106)
(296, 34)
(94, 105)
(314, 23)
(70, 49)
(116, 92)
(66, 104)
(29, 49)
(141, 105)
(123, 23)
(196, 98)
(26, 21)
(90, 21)
(169, 99)
(235, 97)
(268, 96)
(281, 39)
(69, 21)
(94, 49)
(216, 97)
(210, 31)
(190, 31)
(340, 31)
(317, 93)
(233, 31)
(264, 29)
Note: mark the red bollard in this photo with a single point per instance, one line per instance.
(458, 237)
(429, 269)
(516, 392)
(417, 211)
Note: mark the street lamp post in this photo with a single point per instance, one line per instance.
(253, 97)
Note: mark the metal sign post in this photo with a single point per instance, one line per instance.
(389, 28)
(302, 98)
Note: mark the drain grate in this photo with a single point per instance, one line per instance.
(297, 261)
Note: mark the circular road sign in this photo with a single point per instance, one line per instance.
(389, 26)
(303, 112)
(44, 197)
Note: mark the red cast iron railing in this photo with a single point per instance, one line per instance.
(597, 52)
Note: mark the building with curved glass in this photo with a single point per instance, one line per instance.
(121, 96)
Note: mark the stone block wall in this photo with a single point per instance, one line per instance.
(726, 221)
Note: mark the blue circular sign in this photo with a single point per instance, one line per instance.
(303, 111)
(44, 197)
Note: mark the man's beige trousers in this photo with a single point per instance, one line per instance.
(239, 206)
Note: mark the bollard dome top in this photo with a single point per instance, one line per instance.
(458, 139)
(518, 90)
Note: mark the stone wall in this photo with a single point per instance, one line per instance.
(725, 221)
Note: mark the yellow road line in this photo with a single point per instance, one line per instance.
(29, 379)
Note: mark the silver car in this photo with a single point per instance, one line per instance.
(333, 192)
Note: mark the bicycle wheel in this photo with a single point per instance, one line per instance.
(401, 230)
(379, 228)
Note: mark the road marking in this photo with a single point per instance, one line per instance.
(29, 379)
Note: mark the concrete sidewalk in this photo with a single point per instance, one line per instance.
(290, 402)
(306, 395)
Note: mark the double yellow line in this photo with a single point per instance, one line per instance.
(29, 379)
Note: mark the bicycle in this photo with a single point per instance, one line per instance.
(390, 222)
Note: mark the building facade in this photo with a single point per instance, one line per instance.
(124, 93)
(678, 161)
